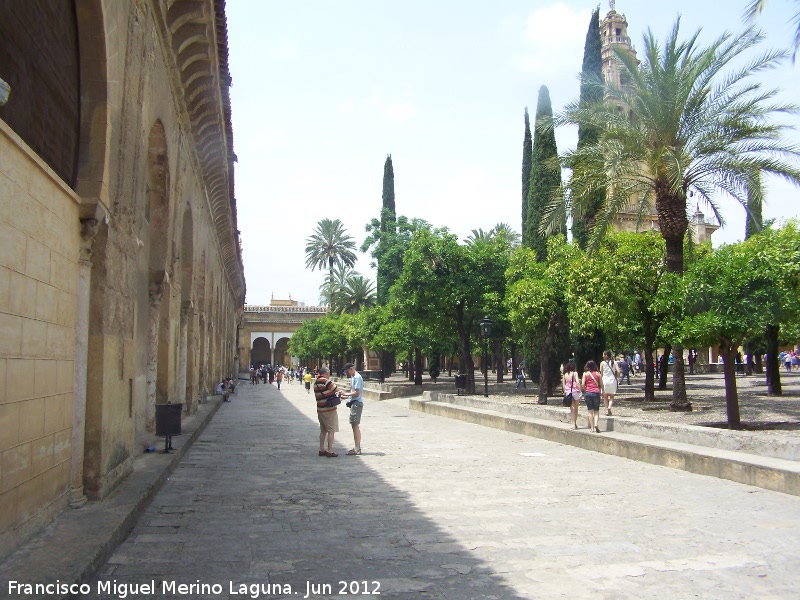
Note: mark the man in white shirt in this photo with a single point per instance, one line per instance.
(356, 404)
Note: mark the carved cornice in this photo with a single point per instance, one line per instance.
(199, 41)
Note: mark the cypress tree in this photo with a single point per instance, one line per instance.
(591, 92)
(545, 172)
(388, 230)
(527, 154)
(388, 187)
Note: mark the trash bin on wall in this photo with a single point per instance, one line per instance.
(168, 422)
(461, 383)
(168, 419)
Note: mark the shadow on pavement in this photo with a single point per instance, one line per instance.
(253, 504)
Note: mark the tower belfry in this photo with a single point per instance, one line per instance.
(614, 35)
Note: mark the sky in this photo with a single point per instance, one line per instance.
(324, 90)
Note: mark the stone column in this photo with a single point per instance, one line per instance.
(156, 294)
(203, 359)
(186, 312)
(80, 364)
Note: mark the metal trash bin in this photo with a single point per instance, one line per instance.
(461, 383)
(168, 422)
(168, 419)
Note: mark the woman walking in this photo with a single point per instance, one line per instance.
(572, 385)
(592, 384)
(610, 373)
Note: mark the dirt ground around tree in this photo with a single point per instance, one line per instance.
(759, 411)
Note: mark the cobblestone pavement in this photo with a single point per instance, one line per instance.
(439, 508)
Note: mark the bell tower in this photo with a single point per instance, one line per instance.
(614, 35)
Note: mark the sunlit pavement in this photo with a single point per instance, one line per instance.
(438, 508)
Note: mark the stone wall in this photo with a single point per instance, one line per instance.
(38, 273)
(123, 288)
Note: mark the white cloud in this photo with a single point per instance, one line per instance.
(553, 40)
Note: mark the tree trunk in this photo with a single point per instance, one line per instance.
(418, 367)
(330, 287)
(387, 363)
(729, 352)
(673, 223)
(513, 361)
(410, 360)
(466, 350)
(679, 401)
(544, 376)
(773, 366)
(663, 367)
(649, 372)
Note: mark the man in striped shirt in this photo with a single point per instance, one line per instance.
(324, 390)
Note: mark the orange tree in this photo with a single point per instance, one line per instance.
(738, 290)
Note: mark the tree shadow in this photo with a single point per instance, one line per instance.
(252, 503)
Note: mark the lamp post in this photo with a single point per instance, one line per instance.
(486, 333)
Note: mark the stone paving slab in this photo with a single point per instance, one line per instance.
(439, 508)
(774, 474)
(782, 445)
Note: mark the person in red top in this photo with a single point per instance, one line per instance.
(324, 390)
(592, 385)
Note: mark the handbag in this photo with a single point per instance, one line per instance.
(567, 401)
(333, 401)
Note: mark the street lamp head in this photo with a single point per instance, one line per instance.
(486, 327)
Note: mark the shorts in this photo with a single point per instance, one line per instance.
(592, 400)
(328, 421)
(355, 412)
(308, 385)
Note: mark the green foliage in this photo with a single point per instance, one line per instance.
(447, 287)
(534, 290)
(389, 262)
(389, 239)
(527, 157)
(545, 176)
(388, 189)
(329, 246)
(616, 289)
(742, 288)
(331, 335)
(591, 93)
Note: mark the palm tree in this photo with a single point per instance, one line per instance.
(340, 275)
(479, 235)
(328, 246)
(504, 230)
(357, 294)
(756, 6)
(684, 126)
(501, 230)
